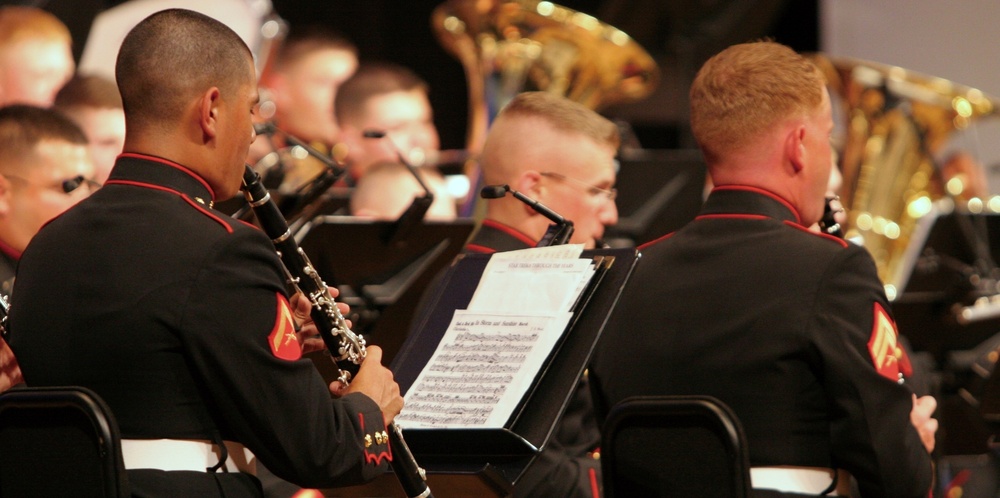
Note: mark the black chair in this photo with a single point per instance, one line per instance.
(59, 441)
(670, 446)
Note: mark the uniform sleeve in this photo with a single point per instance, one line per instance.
(854, 335)
(260, 391)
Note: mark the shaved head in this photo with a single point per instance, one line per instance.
(171, 57)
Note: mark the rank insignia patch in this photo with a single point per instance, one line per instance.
(887, 354)
(283, 340)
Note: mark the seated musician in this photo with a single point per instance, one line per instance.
(177, 315)
(389, 188)
(788, 327)
(562, 154)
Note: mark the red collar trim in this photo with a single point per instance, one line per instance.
(747, 188)
(838, 240)
(655, 241)
(227, 226)
(480, 249)
(510, 231)
(172, 164)
(10, 251)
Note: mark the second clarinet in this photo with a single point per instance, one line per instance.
(346, 347)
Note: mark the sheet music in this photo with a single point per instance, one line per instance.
(491, 352)
(481, 369)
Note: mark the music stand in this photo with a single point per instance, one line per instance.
(381, 271)
(949, 264)
(659, 191)
(488, 462)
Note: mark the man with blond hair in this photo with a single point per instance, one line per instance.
(789, 328)
(557, 152)
(35, 56)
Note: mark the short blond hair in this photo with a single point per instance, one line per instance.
(749, 88)
(565, 115)
(26, 23)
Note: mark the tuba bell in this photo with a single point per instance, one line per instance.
(895, 122)
(510, 46)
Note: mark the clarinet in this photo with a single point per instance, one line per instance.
(346, 348)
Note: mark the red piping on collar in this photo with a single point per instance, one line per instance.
(187, 199)
(838, 240)
(761, 191)
(511, 231)
(172, 164)
(10, 251)
(480, 249)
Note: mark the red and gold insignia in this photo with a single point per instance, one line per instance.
(283, 340)
(887, 354)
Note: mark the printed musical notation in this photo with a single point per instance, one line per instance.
(481, 369)
(491, 353)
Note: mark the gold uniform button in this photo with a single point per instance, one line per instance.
(368, 440)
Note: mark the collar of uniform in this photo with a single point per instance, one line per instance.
(494, 236)
(163, 172)
(743, 199)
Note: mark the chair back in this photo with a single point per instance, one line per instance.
(660, 446)
(59, 441)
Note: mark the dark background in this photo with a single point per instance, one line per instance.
(679, 34)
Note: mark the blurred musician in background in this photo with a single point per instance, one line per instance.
(309, 67)
(45, 169)
(387, 99)
(35, 56)
(93, 102)
(789, 328)
(388, 189)
(177, 315)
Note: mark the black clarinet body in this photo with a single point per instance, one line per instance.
(346, 348)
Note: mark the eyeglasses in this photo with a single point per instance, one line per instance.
(68, 186)
(592, 190)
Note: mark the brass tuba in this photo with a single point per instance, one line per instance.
(510, 46)
(895, 124)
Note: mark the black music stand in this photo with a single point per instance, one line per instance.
(659, 191)
(951, 262)
(381, 268)
(487, 462)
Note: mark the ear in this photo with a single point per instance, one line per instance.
(208, 113)
(531, 185)
(795, 148)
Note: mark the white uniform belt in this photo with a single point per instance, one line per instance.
(185, 454)
(804, 480)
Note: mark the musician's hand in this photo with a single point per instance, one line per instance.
(10, 371)
(920, 417)
(375, 381)
(308, 334)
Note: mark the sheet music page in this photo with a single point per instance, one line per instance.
(481, 369)
(523, 282)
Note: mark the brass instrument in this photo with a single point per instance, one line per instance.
(895, 122)
(510, 46)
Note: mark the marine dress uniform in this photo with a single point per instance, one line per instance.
(178, 317)
(789, 328)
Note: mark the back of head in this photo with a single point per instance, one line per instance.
(747, 89)
(371, 80)
(89, 91)
(508, 138)
(23, 23)
(23, 127)
(303, 40)
(171, 57)
(35, 56)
